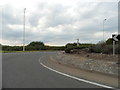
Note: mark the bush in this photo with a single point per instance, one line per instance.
(54, 47)
(72, 47)
(105, 48)
(68, 50)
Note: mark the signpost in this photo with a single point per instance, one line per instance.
(77, 42)
(116, 38)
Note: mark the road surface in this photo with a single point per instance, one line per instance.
(23, 70)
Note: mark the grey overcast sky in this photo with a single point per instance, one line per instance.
(57, 22)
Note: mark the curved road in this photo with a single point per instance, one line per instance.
(23, 70)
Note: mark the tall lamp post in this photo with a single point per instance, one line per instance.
(24, 30)
(103, 28)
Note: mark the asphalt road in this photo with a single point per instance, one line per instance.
(23, 70)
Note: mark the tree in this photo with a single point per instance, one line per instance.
(109, 41)
(35, 46)
(36, 43)
(70, 45)
(0, 45)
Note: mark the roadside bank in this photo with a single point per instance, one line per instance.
(64, 64)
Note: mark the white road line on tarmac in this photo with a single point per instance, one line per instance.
(73, 77)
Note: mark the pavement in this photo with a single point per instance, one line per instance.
(23, 70)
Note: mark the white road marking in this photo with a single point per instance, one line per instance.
(73, 77)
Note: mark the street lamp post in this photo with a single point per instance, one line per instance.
(24, 30)
(103, 28)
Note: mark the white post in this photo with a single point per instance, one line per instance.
(24, 31)
(77, 42)
(113, 48)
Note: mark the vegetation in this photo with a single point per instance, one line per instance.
(105, 47)
(72, 46)
(11, 48)
(100, 47)
(0, 47)
(54, 47)
(33, 46)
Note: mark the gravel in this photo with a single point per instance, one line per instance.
(107, 67)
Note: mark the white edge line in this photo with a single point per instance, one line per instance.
(73, 77)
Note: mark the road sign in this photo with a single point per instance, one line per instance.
(116, 37)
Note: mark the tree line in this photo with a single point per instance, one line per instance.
(101, 47)
(105, 47)
(33, 46)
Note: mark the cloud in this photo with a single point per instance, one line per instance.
(11, 16)
(58, 24)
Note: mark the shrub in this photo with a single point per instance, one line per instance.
(68, 50)
(105, 48)
(71, 48)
